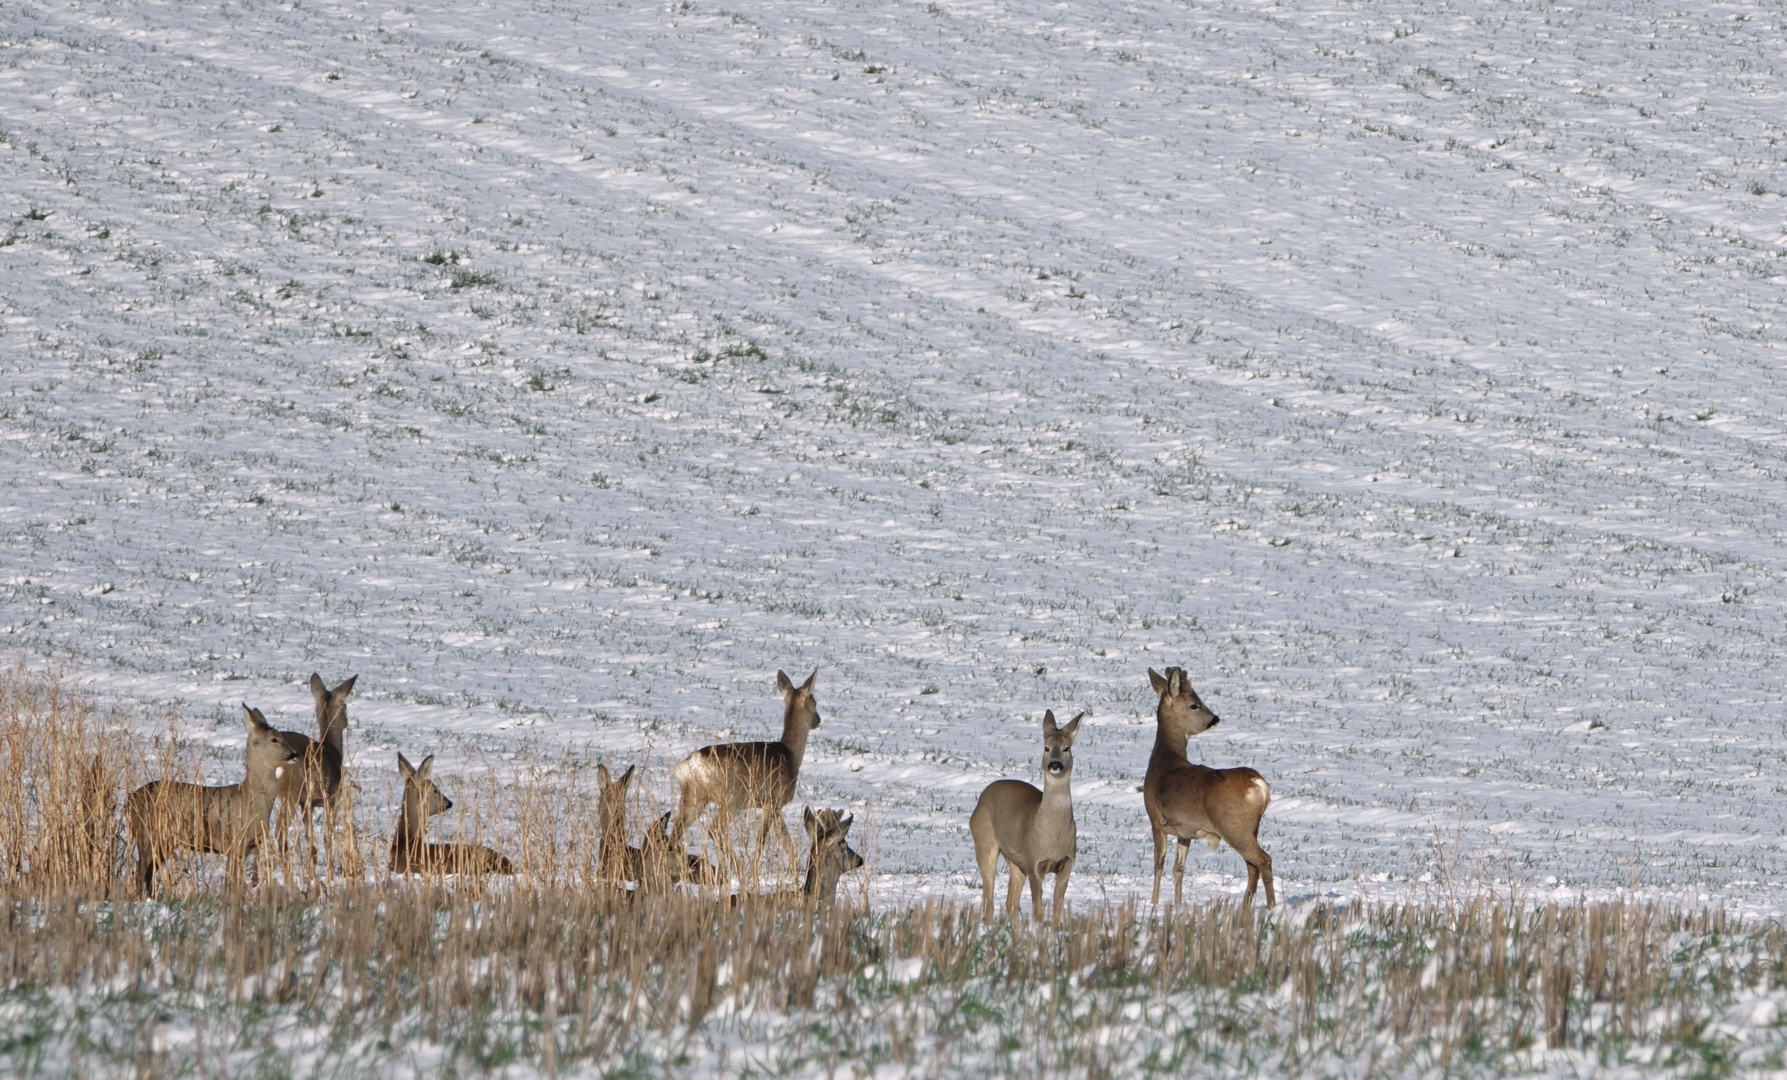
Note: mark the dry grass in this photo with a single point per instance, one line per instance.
(328, 972)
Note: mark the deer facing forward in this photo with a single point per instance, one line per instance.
(167, 816)
(735, 777)
(1033, 829)
(1194, 802)
(411, 854)
(315, 778)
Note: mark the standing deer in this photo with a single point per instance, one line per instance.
(410, 854)
(316, 778)
(1194, 802)
(735, 777)
(829, 858)
(166, 816)
(1033, 829)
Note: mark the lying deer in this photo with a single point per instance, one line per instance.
(735, 777)
(1033, 829)
(316, 777)
(166, 816)
(656, 863)
(828, 858)
(1193, 802)
(410, 854)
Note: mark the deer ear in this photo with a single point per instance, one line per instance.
(784, 683)
(316, 685)
(1072, 728)
(808, 685)
(626, 777)
(1176, 681)
(253, 718)
(1156, 681)
(346, 687)
(844, 826)
(811, 822)
(425, 768)
(602, 777)
(404, 766)
(1048, 720)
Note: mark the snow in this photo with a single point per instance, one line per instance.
(1410, 372)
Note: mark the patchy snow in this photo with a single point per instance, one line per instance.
(1410, 372)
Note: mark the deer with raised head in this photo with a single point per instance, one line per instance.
(315, 778)
(1190, 802)
(167, 816)
(411, 854)
(735, 777)
(829, 857)
(1033, 829)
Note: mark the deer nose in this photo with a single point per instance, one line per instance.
(1214, 720)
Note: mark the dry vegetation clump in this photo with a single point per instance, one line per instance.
(432, 980)
(63, 770)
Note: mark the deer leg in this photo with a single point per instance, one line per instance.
(1062, 870)
(1259, 866)
(145, 871)
(1035, 876)
(1160, 855)
(1179, 870)
(787, 841)
(1013, 892)
(986, 856)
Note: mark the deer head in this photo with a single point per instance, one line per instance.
(1181, 713)
(1057, 745)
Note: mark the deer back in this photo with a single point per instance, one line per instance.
(742, 775)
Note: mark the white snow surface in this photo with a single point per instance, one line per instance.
(1411, 372)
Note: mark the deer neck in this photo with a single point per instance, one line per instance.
(411, 822)
(822, 880)
(1057, 795)
(794, 737)
(1169, 743)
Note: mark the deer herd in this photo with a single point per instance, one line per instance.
(1033, 830)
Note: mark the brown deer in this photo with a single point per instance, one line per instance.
(829, 857)
(166, 816)
(316, 777)
(410, 854)
(735, 777)
(654, 864)
(1193, 802)
(1033, 829)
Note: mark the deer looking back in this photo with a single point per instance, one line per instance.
(167, 816)
(411, 854)
(1193, 802)
(317, 775)
(1033, 829)
(734, 777)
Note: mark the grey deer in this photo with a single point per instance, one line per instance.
(1190, 802)
(411, 854)
(315, 779)
(735, 777)
(168, 816)
(1033, 829)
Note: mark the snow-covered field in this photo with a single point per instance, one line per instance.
(1410, 372)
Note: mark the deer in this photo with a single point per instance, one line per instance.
(735, 777)
(1033, 829)
(316, 778)
(166, 816)
(410, 854)
(1190, 802)
(654, 864)
(829, 857)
